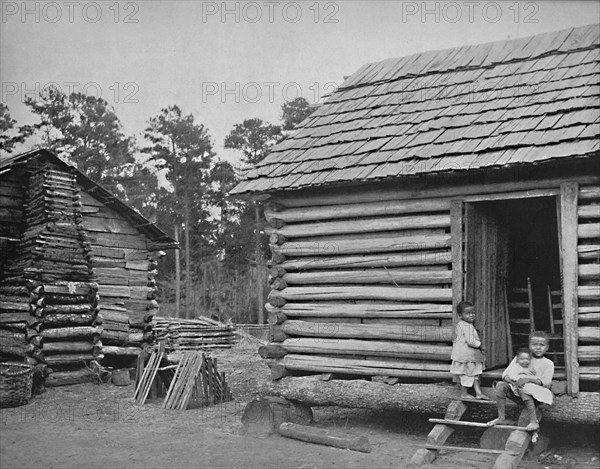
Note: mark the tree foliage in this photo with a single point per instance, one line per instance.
(85, 130)
(9, 134)
(253, 138)
(295, 111)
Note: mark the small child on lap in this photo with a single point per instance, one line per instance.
(467, 352)
(527, 385)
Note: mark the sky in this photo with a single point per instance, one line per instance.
(229, 61)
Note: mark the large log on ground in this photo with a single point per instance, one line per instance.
(429, 257)
(324, 436)
(65, 378)
(370, 276)
(367, 310)
(377, 348)
(352, 292)
(368, 331)
(426, 398)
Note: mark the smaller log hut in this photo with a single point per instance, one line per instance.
(77, 270)
(463, 174)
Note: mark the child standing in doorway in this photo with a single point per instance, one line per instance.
(467, 352)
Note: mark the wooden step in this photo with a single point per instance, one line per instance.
(477, 401)
(465, 423)
(465, 448)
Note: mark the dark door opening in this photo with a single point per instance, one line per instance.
(513, 273)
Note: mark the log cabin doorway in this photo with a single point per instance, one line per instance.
(512, 273)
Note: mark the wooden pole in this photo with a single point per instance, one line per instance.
(568, 251)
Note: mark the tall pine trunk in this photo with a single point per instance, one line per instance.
(177, 276)
(188, 275)
(259, 266)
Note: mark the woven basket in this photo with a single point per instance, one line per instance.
(15, 384)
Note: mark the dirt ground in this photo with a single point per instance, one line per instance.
(98, 426)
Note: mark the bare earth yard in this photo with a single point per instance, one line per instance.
(91, 426)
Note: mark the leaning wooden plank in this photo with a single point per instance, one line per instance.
(324, 436)
(376, 348)
(368, 331)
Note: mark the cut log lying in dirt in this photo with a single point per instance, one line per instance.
(323, 436)
(430, 398)
(264, 415)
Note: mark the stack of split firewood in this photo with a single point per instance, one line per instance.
(193, 334)
(48, 302)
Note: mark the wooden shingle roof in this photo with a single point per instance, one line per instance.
(158, 237)
(513, 102)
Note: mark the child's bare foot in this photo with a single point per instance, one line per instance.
(498, 421)
(533, 426)
(482, 397)
(465, 395)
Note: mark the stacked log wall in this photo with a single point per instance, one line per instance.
(588, 289)
(362, 288)
(48, 304)
(362, 282)
(125, 269)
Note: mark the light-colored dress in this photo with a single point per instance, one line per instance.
(467, 357)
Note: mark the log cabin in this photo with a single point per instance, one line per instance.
(464, 174)
(77, 271)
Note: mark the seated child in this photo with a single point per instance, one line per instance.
(519, 368)
(532, 387)
(467, 352)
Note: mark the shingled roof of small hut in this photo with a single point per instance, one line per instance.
(521, 101)
(158, 237)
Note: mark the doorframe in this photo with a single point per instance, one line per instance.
(566, 202)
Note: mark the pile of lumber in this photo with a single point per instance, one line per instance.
(193, 381)
(193, 334)
(48, 301)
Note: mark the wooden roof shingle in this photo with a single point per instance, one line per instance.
(521, 101)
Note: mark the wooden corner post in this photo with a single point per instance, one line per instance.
(568, 253)
(456, 233)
